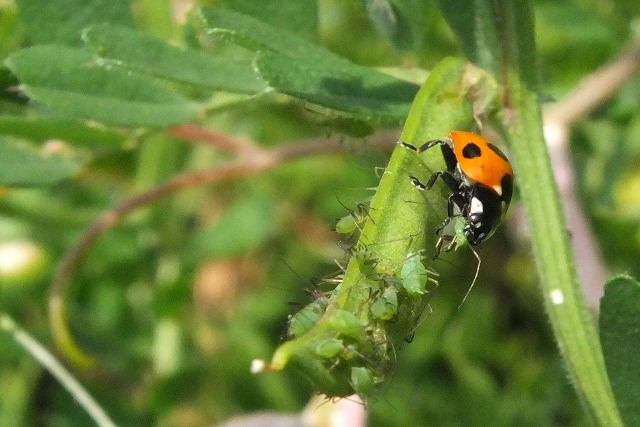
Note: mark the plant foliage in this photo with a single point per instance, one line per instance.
(163, 288)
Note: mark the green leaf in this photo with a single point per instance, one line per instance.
(23, 166)
(73, 83)
(312, 73)
(251, 33)
(620, 340)
(474, 25)
(338, 84)
(296, 67)
(61, 21)
(300, 16)
(41, 129)
(148, 54)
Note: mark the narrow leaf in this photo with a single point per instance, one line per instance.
(43, 128)
(61, 21)
(73, 83)
(620, 339)
(475, 27)
(300, 16)
(340, 85)
(312, 73)
(24, 166)
(148, 54)
(251, 33)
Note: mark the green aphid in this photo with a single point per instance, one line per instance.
(329, 348)
(386, 306)
(413, 275)
(302, 322)
(363, 381)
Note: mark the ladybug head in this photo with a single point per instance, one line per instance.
(484, 210)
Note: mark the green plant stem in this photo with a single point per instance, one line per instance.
(393, 234)
(570, 318)
(54, 367)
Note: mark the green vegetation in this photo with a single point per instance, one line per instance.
(170, 186)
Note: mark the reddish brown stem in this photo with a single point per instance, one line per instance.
(195, 133)
(253, 161)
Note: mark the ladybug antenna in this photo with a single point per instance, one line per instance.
(474, 277)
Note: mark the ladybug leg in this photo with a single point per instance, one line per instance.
(439, 244)
(418, 184)
(446, 177)
(454, 209)
(450, 240)
(455, 205)
(423, 147)
(432, 178)
(450, 180)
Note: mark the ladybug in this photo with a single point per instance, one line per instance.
(481, 180)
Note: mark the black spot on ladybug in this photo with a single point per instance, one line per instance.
(507, 187)
(471, 151)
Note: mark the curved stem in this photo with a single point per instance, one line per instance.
(253, 161)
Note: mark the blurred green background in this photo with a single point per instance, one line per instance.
(181, 297)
